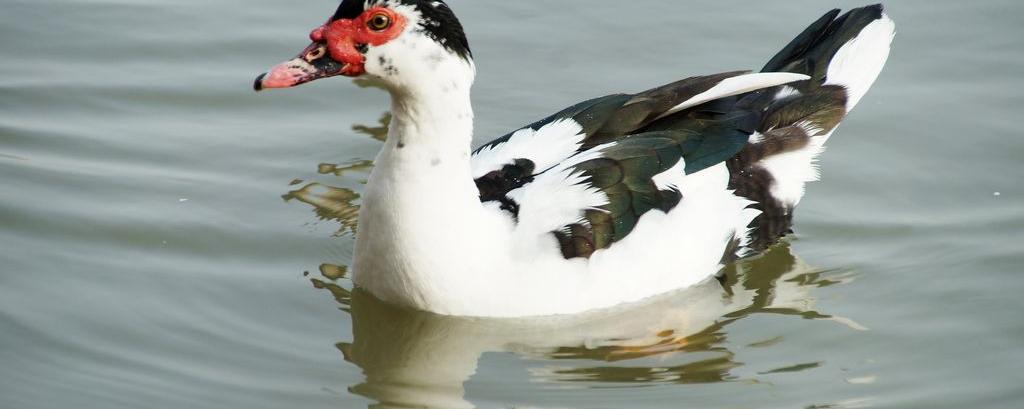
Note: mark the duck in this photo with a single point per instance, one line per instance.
(611, 201)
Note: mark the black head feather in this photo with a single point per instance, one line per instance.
(349, 9)
(439, 22)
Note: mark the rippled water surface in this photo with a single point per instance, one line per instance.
(170, 239)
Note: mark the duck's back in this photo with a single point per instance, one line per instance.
(627, 196)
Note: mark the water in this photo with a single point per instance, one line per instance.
(148, 259)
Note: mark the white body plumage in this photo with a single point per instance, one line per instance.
(428, 241)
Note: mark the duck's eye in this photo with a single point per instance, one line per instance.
(379, 22)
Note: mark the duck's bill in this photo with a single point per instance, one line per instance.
(312, 64)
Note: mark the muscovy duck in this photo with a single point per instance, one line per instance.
(610, 201)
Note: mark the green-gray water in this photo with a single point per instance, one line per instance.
(149, 261)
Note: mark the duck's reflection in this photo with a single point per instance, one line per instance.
(418, 359)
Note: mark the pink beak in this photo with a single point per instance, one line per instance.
(285, 75)
(312, 64)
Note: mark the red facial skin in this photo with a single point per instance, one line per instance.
(342, 36)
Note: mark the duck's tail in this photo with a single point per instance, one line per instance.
(849, 51)
(843, 55)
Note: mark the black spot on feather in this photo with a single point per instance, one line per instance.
(495, 185)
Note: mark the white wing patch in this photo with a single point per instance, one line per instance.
(857, 64)
(786, 92)
(558, 197)
(672, 178)
(738, 85)
(546, 147)
(791, 171)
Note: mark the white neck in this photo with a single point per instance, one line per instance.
(436, 120)
(428, 143)
(421, 209)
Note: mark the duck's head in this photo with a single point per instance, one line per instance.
(398, 42)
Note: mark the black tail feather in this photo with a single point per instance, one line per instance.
(811, 51)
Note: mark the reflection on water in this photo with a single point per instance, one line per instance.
(329, 203)
(379, 131)
(413, 358)
(418, 359)
(336, 203)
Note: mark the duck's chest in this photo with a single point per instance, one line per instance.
(423, 228)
